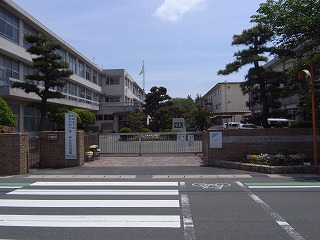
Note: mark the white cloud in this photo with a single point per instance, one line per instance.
(173, 10)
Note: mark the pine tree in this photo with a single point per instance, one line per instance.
(47, 69)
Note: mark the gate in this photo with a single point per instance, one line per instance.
(34, 152)
(151, 143)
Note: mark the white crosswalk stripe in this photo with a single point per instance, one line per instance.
(142, 198)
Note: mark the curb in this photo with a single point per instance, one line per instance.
(268, 169)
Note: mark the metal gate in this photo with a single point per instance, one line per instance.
(151, 143)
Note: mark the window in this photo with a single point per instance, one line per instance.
(9, 26)
(80, 69)
(28, 30)
(108, 117)
(112, 81)
(28, 71)
(88, 73)
(88, 95)
(94, 76)
(72, 63)
(112, 99)
(9, 66)
(30, 119)
(63, 55)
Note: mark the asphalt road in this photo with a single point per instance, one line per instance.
(194, 203)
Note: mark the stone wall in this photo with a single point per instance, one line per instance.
(52, 150)
(237, 143)
(14, 153)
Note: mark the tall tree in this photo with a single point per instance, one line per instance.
(296, 26)
(47, 69)
(155, 99)
(263, 85)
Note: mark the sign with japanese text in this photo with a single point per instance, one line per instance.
(215, 139)
(178, 124)
(70, 136)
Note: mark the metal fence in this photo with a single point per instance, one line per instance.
(150, 143)
(34, 151)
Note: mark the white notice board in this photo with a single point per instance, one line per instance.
(70, 136)
(215, 139)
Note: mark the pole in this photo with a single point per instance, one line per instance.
(144, 76)
(313, 110)
(314, 123)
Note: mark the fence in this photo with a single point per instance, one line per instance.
(150, 143)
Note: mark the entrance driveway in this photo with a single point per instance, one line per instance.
(184, 160)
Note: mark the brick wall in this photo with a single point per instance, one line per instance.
(52, 152)
(14, 153)
(237, 143)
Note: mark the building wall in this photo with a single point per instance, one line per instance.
(224, 100)
(81, 90)
(121, 95)
(237, 143)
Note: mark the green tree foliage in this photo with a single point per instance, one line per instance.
(296, 26)
(86, 118)
(263, 85)
(200, 118)
(155, 102)
(6, 116)
(47, 69)
(57, 115)
(137, 120)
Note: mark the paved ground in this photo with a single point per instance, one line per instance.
(155, 160)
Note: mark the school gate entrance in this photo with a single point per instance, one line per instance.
(150, 143)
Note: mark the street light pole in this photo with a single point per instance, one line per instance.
(310, 75)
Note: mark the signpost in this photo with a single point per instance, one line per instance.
(70, 136)
(178, 124)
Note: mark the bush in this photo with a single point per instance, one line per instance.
(86, 118)
(301, 124)
(145, 130)
(125, 130)
(6, 116)
(278, 159)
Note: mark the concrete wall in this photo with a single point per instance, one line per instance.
(14, 153)
(237, 143)
(52, 152)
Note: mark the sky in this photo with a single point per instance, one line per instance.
(183, 43)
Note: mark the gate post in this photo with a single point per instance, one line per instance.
(140, 143)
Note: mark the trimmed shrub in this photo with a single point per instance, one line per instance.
(6, 116)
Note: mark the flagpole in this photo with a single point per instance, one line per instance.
(144, 75)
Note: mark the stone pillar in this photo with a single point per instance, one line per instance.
(14, 153)
(52, 150)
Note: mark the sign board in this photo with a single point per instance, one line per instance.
(178, 124)
(70, 136)
(190, 140)
(215, 139)
(181, 139)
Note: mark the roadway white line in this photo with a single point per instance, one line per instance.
(189, 232)
(279, 220)
(89, 203)
(93, 221)
(124, 184)
(283, 187)
(97, 192)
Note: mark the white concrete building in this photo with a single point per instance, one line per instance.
(226, 102)
(121, 94)
(83, 89)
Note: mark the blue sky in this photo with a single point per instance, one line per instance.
(182, 42)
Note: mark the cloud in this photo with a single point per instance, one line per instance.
(173, 10)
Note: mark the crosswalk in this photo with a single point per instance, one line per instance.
(96, 205)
